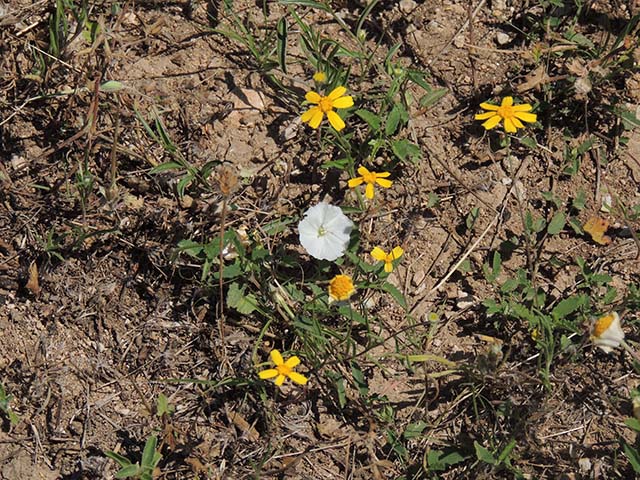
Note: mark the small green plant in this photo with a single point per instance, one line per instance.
(143, 470)
(5, 400)
(498, 459)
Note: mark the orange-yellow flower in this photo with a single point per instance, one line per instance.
(387, 258)
(512, 115)
(283, 370)
(335, 99)
(319, 77)
(341, 288)
(607, 332)
(370, 178)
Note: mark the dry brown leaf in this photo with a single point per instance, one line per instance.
(240, 422)
(597, 227)
(32, 283)
(533, 80)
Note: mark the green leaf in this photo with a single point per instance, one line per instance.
(306, 3)
(472, 217)
(371, 118)
(397, 115)
(567, 307)
(633, 423)
(149, 451)
(529, 142)
(580, 200)
(629, 119)
(483, 454)
(281, 29)
(237, 299)
(121, 459)
(557, 223)
(163, 406)
(439, 460)
(506, 451)
(361, 381)
(510, 285)
(432, 97)
(352, 314)
(190, 247)
(163, 167)
(111, 86)
(395, 293)
(277, 226)
(129, 471)
(404, 149)
(632, 455)
(414, 430)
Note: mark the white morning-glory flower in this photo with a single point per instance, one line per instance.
(324, 231)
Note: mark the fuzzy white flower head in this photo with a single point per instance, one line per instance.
(324, 231)
(607, 332)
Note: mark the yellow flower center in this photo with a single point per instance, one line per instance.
(341, 287)
(325, 104)
(284, 370)
(506, 111)
(602, 324)
(322, 232)
(369, 177)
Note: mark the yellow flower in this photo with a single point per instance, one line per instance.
(507, 111)
(387, 258)
(370, 178)
(283, 370)
(319, 77)
(335, 99)
(341, 288)
(607, 333)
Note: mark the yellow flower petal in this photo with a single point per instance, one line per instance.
(526, 117)
(509, 126)
(383, 174)
(354, 182)
(388, 267)
(397, 252)
(524, 107)
(378, 254)
(276, 357)
(489, 106)
(270, 373)
(368, 192)
(306, 116)
(298, 378)
(383, 182)
(343, 102)
(313, 97)
(292, 362)
(492, 122)
(335, 120)
(337, 93)
(320, 77)
(280, 380)
(363, 171)
(507, 102)
(517, 122)
(484, 116)
(317, 117)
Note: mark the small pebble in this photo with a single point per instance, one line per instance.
(407, 6)
(502, 38)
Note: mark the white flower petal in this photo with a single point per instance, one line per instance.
(325, 231)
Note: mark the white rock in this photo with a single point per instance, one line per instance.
(502, 38)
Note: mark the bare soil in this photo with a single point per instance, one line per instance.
(99, 314)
